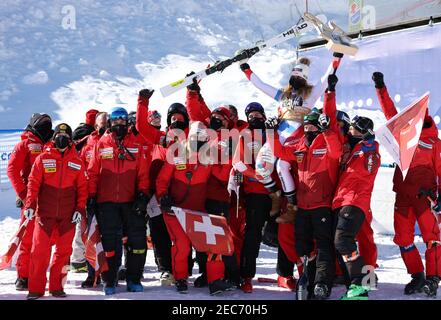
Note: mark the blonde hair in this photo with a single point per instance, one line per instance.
(304, 92)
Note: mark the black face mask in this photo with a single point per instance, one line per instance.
(101, 131)
(353, 140)
(134, 130)
(157, 127)
(310, 136)
(297, 83)
(181, 125)
(427, 125)
(215, 123)
(257, 123)
(44, 131)
(120, 130)
(61, 142)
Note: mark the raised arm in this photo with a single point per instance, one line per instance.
(386, 103)
(270, 91)
(145, 129)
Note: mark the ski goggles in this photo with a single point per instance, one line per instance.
(118, 115)
(154, 115)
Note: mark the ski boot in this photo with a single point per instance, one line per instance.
(167, 279)
(21, 284)
(356, 292)
(287, 283)
(201, 281)
(416, 284)
(134, 287)
(321, 291)
(219, 286)
(33, 296)
(58, 294)
(109, 290)
(181, 286)
(430, 287)
(247, 285)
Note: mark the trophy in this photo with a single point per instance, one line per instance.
(337, 39)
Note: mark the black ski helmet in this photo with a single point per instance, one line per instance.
(132, 118)
(365, 126)
(254, 106)
(344, 117)
(180, 109)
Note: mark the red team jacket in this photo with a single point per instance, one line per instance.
(185, 183)
(22, 158)
(57, 184)
(87, 151)
(425, 168)
(116, 180)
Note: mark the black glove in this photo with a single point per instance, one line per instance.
(146, 93)
(140, 204)
(338, 55)
(272, 123)
(332, 82)
(244, 67)
(324, 122)
(166, 203)
(378, 78)
(91, 209)
(194, 86)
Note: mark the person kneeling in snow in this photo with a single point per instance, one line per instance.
(57, 193)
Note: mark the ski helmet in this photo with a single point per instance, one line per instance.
(363, 125)
(132, 118)
(254, 106)
(118, 113)
(312, 117)
(180, 109)
(344, 117)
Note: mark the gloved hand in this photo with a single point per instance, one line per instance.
(378, 79)
(18, 202)
(29, 213)
(91, 208)
(323, 122)
(238, 177)
(76, 217)
(166, 202)
(146, 93)
(332, 82)
(140, 204)
(195, 85)
(338, 55)
(244, 67)
(437, 207)
(272, 123)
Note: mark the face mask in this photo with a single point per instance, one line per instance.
(61, 142)
(134, 130)
(120, 130)
(44, 131)
(101, 131)
(178, 125)
(157, 127)
(353, 140)
(296, 83)
(427, 125)
(216, 124)
(310, 136)
(257, 123)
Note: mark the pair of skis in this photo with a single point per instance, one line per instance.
(293, 32)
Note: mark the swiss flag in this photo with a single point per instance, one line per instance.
(400, 135)
(94, 253)
(8, 257)
(207, 233)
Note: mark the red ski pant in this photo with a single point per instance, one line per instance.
(181, 248)
(46, 234)
(24, 251)
(404, 226)
(366, 243)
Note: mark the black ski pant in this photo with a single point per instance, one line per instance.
(285, 267)
(349, 221)
(317, 226)
(258, 207)
(161, 243)
(112, 219)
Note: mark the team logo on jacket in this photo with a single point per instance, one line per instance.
(318, 152)
(73, 166)
(299, 156)
(106, 153)
(49, 165)
(424, 145)
(132, 150)
(179, 163)
(34, 148)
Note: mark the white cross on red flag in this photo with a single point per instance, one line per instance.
(400, 135)
(207, 233)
